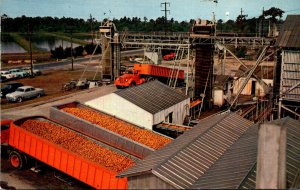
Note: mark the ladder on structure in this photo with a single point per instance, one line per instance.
(180, 54)
(82, 77)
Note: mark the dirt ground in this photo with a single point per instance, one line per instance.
(52, 82)
(27, 179)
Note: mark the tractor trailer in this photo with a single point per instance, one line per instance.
(41, 139)
(141, 73)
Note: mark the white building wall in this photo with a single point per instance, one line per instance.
(237, 85)
(259, 91)
(179, 110)
(123, 109)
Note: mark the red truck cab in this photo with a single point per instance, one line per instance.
(130, 78)
(5, 124)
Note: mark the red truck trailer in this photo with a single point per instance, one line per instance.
(142, 72)
(73, 154)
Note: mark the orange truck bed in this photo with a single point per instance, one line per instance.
(158, 71)
(83, 169)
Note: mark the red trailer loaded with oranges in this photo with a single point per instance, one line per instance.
(92, 162)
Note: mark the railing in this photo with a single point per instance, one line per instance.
(141, 39)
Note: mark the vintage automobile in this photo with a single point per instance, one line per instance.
(9, 88)
(36, 72)
(170, 56)
(25, 92)
(19, 73)
(8, 75)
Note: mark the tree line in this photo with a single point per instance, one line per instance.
(50, 24)
(61, 53)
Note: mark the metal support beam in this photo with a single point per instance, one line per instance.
(279, 107)
(290, 89)
(249, 75)
(187, 70)
(265, 86)
(293, 112)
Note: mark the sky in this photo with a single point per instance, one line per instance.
(179, 9)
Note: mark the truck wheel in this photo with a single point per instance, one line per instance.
(17, 160)
(132, 84)
(20, 99)
(38, 96)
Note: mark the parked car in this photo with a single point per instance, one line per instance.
(9, 88)
(3, 79)
(170, 56)
(8, 75)
(19, 73)
(25, 92)
(36, 72)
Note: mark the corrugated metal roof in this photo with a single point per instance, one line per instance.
(233, 166)
(289, 36)
(152, 96)
(292, 154)
(195, 160)
(290, 75)
(183, 161)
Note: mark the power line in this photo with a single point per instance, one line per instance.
(165, 9)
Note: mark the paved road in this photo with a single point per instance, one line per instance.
(42, 108)
(45, 66)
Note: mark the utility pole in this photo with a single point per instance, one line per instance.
(242, 15)
(215, 24)
(30, 50)
(166, 11)
(92, 31)
(262, 22)
(72, 49)
(70, 29)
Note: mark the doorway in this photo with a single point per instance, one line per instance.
(253, 88)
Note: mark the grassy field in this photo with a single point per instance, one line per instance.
(66, 38)
(23, 42)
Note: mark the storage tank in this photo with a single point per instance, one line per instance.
(218, 97)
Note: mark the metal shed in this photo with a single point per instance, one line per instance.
(287, 68)
(253, 86)
(183, 162)
(145, 105)
(207, 158)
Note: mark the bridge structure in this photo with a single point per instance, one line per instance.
(173, 40)
(190, 48)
